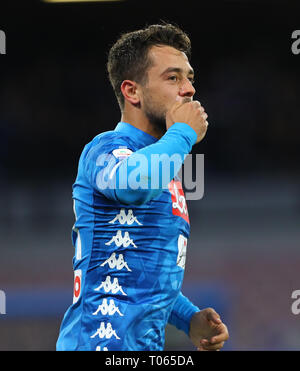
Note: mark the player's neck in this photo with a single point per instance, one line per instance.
(141, 122)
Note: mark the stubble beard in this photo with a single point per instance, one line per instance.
(156, 115)
(158, 121)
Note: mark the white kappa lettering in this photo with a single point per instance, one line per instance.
(119, 240)
(109, 309)
(108, 286)
(105, 332)
(118, 263)
(129, 219)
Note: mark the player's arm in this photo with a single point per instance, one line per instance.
(186, 125)
(155, 165)
(116, 180)
(182, 313)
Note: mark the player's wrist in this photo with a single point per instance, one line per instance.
(184, 130)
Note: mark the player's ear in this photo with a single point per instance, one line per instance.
(130, 91)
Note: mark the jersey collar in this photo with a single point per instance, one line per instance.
(138, 135)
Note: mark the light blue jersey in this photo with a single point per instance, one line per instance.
(130, 246)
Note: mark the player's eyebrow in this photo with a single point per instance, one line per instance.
(178, 70)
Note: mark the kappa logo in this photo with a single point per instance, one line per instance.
(108, 286)
(105, 332)
(119, 240)
(122, 218)
(118, 263)
(179, 206)
(109, 309)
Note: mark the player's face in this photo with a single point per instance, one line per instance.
(170, 77)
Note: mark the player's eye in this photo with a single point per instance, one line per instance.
(192, 80)
(172, 78)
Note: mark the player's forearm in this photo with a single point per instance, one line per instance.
(156, 165)
(182, 312)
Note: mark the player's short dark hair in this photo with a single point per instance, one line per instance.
(128, 57)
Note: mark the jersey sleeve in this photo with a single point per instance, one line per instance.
(138, 176)
(182, 312)
(101, 160)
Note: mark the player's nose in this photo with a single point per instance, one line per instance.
(187, 89)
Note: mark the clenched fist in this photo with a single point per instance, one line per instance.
(191, 113)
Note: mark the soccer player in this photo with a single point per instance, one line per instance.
(132, 224)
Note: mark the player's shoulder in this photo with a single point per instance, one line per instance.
(112, 139)
(109, 142)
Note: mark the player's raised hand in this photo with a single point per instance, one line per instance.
(190, 112)
(207, 331)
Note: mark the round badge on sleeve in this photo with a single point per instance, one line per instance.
(77, 285)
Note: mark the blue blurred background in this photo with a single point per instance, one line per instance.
(244, 252)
